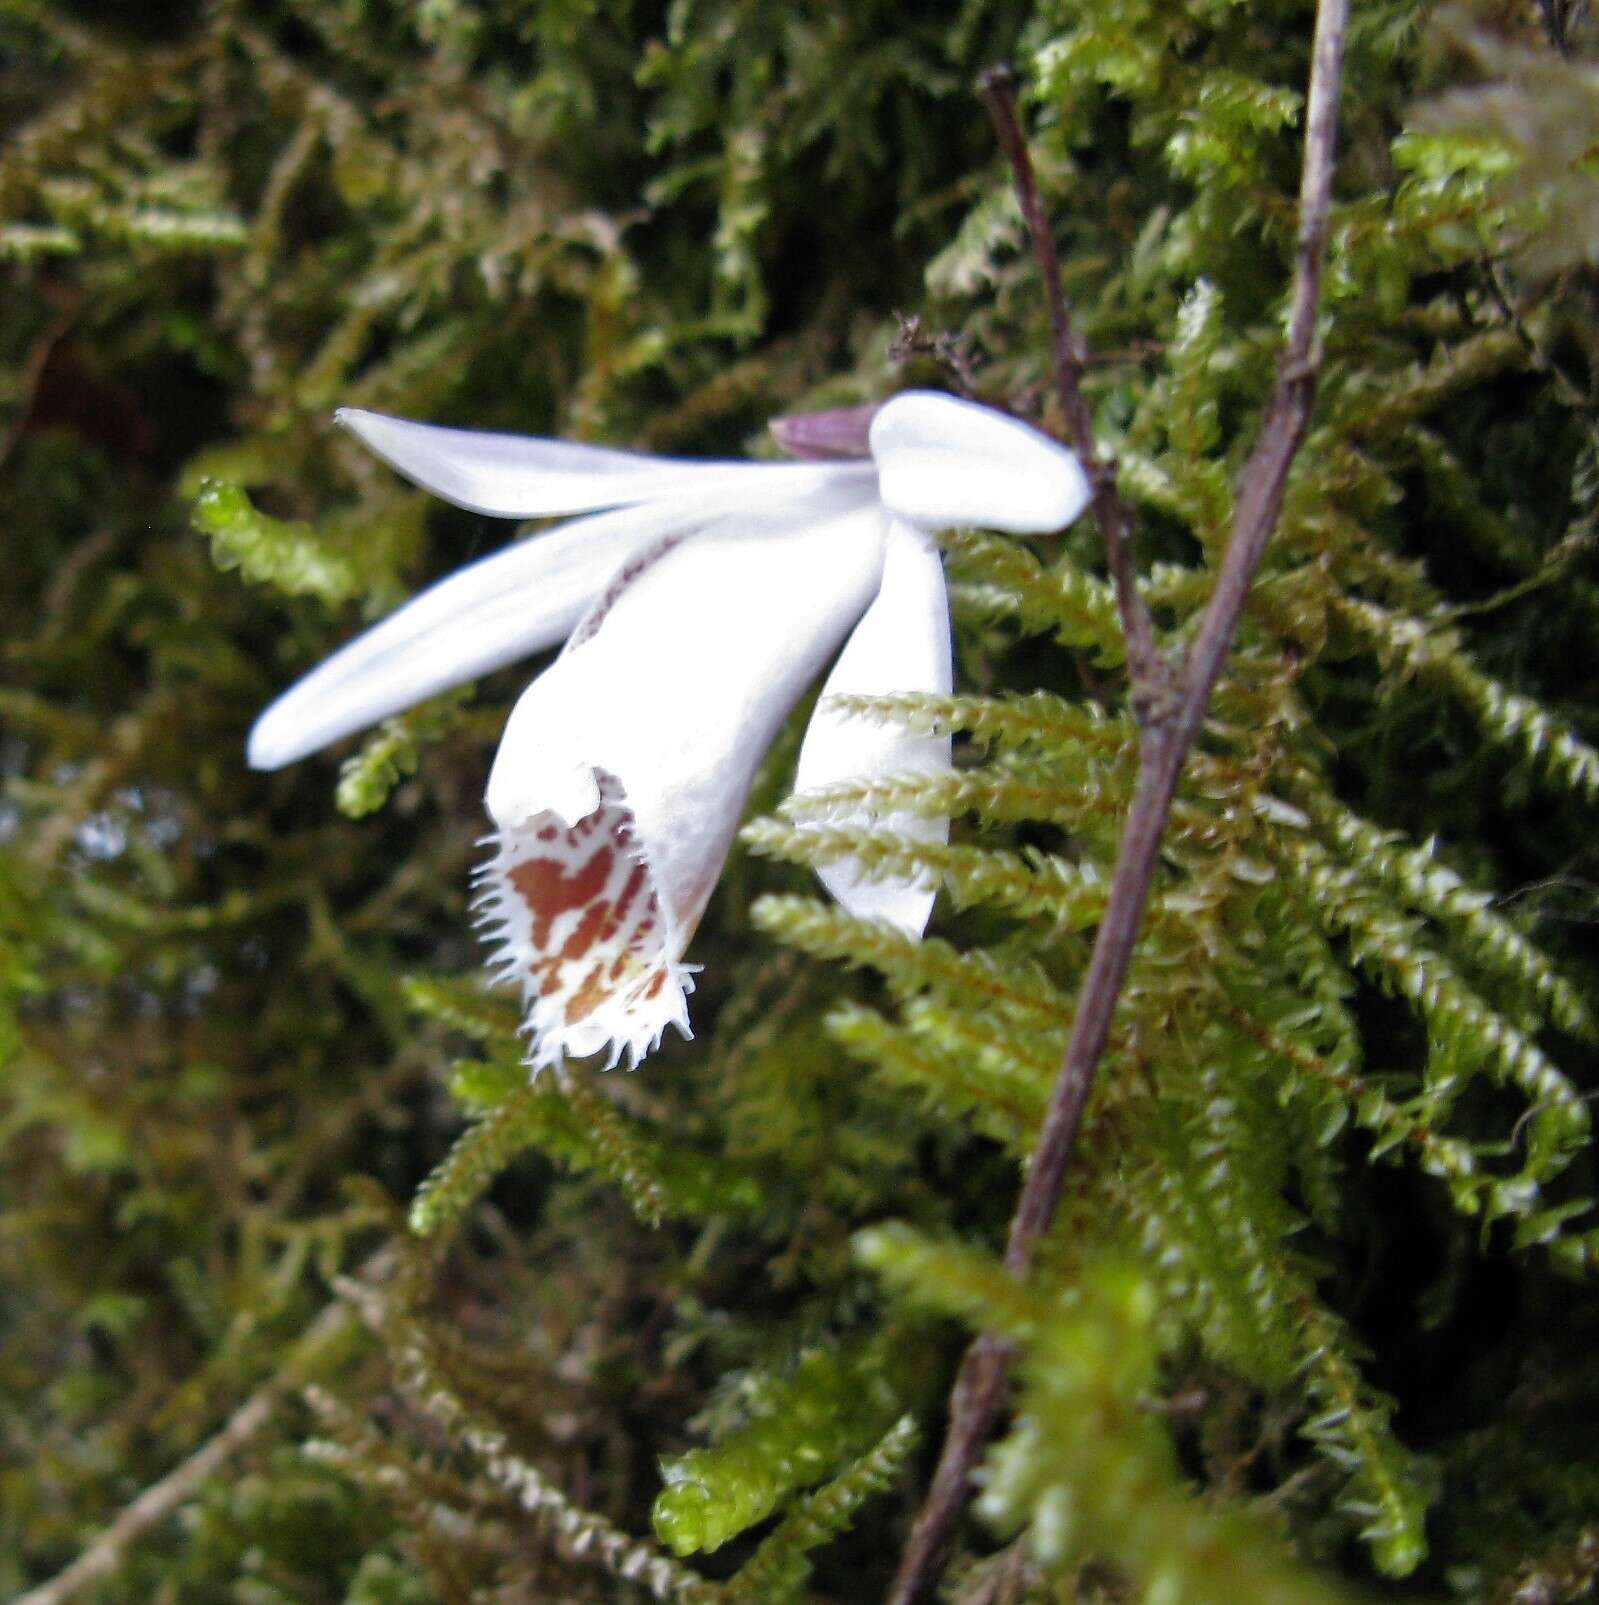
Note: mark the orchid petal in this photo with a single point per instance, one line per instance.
(480, 618)
(522, 476)
(901, 644)
(944, 462)
(636, 751)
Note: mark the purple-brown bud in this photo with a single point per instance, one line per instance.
(836, 434)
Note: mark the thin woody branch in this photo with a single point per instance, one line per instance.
(1170, 726)
(322, 1343)
(159, 1501)
(1146, 666)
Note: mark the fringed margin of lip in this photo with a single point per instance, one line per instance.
(630, 1013)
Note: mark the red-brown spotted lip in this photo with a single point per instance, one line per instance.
(577, 922)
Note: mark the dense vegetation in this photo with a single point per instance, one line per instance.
(1316, 1315)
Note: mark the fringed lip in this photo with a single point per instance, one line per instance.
(575, 918)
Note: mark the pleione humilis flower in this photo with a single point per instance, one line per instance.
(697, 601)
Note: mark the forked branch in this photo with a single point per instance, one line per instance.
(1171, 702)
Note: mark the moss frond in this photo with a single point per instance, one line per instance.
(1556, 753)
(777, 1570)
(1494, 946)
(1467, 1035)
(289, 556)
(1063, 601)
(1034, 719)
(1017, 986)
(1388, 1489)
(577, 1127)
(1026, 883)
(994, 1082)
(798, 1428)
(367, 779)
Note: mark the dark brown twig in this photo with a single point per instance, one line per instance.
(1147, 667)
(1170, 723)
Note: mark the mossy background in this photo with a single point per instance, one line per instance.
(1317, 1318)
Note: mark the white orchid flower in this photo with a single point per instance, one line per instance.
(697, 600)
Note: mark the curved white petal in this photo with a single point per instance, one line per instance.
(637, 748)
(480, 618)
(523, 476)
(901, 644)
(943, 462)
